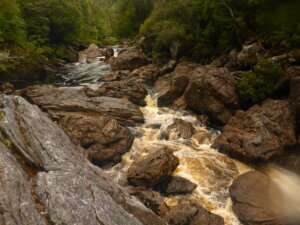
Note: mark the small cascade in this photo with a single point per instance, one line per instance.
(289, 185)
(212, 171)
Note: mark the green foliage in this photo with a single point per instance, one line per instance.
(129, 15)
(208, 28)
(12, 27)
(1, 116)
(257, 85)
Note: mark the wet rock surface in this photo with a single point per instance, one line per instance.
(256, 200)
(145, 75)
(105, 139)
(121, 89)
(177, 185)
(65, 187)
(150, 199)
(156, 166)
(129, 59)
(96, 122)
(178, 129)
(212, 91)
(190, 213)
(259, 133)
(60, 101)
(172, 86)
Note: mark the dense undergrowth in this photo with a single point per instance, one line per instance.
(37, 32)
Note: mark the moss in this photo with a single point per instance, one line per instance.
(9, 144)
(1, 116)
(258, 84)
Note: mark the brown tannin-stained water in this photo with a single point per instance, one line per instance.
(212, 171)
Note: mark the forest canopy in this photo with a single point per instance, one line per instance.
(201, 29)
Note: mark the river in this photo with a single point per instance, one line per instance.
(212, 171)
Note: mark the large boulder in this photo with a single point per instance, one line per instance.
(121, 89)
(60, 101)
(145, 74)
(149, 170)
(259, 133)
(105, 139)
(191, 213)
(90, 54)
(172, 86)
(46, 179)
(151, 199)
(178, 129)
(130, 59)
(256, 200)
(177, 185)
(97, 123)
(212, 91)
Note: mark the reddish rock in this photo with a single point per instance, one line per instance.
(256, 200)
(172, 86)
(130, 59)
(259, 133)
(151, 169)
(212, 91)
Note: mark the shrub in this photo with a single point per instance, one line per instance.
(258, 84)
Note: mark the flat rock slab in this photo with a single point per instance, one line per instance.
(59, 101)
(48, 180)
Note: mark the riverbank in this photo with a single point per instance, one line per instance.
(174, 136)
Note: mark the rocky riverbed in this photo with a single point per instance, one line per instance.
(124, 141)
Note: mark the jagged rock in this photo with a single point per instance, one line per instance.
(66, 188)
(121, 89)
(7, 89)
(130, 59)
(256, 200)
(150, 199)
(259, 133)
(172, 86)
(61, 101)
(212, 91)
(97, 123)
(189, 212)
(203, 136)
(105, 139)
(145, 74)
(115, 76)
(178, 185)
(179, 104)
(249, 55)
(180, 129)
(152, 168)
(283, 85)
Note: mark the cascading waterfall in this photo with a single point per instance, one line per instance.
(212, 171)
